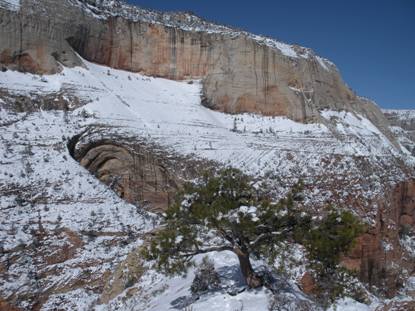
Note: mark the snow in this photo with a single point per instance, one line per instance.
(387, 246)
(169, 114)
(348, 304)
(401, 114)
(408, 243)
(12, 5)
(226, 264)
(80, 300)
(322, 62)
(249, 300)
(352, 125)
(43, 190)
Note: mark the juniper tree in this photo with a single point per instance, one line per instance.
(333, 237)
(223, 212)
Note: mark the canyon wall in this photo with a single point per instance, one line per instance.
(240, 72)
(379, 256)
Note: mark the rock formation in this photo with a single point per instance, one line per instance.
(240, 72)
(141, 174)
(376, 251)
(403, 126)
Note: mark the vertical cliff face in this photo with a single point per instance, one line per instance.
(33, 41)
(379, 256)
(240, 72)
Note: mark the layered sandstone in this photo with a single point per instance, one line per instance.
(138, 172)
(240, 72)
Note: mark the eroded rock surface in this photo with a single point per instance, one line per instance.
(240, 72)
(378, 255)
(60, 221)
(403, 126)
(138, 172)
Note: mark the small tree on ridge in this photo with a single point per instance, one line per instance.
(223, 212)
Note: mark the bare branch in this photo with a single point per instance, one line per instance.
(205, 250)
(267, 235)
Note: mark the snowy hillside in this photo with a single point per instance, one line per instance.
(403, 126)
(13, 5)
(171, 114)
(402, 114)
(61, 226)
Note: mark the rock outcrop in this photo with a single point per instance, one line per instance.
(402, 118)
(378, 255)
(240, 72)
(403, 126)
(140, 173)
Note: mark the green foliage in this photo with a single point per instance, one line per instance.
(222, 211)
(226, 210)
(333, 237)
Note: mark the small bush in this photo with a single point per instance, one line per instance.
(325, 244)
(206, 278)
(405, 231)
(288, 302)
(332, 238)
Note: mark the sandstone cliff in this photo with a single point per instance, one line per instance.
(241, 72)
(65, 237)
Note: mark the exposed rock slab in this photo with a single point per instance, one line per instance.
(240, 72)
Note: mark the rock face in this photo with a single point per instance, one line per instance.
(378, 255)
(240, 72)
(402, 118)
(135, 176)
(139, 173)
(403, 126)
(134, 173)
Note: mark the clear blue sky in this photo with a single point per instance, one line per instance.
(371, 41)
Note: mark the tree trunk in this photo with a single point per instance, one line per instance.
(251, 279)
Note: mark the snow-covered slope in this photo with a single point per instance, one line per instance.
(171, 114)
(13, 5)
(63, 233)
(403, 126)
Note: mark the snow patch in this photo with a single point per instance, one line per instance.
(322, 62)
(12, 5)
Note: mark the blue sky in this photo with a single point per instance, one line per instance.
(371, 41)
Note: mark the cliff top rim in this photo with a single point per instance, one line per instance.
(189, 21)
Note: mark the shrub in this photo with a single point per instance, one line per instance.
(332, 238)
(206, 278)
(325, 244)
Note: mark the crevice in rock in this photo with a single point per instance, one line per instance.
(139, 172)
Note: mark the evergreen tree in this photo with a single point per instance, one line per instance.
(220, 212)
